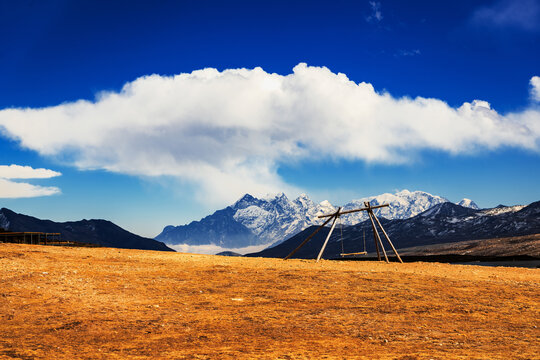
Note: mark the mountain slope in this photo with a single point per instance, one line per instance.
(101, 232)
(220, 229)
(443, 223)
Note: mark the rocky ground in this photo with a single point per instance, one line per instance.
(66, 303)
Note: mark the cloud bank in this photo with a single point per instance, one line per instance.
(227, 132)
(215, 249)
(12, 190)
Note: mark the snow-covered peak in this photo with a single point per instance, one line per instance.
(304, 201)
(273, 197)
(244, 201)
(468, 203)
(402, 205)
(501, 209)
(275, 217)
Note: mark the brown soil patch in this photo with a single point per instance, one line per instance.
(67, 303)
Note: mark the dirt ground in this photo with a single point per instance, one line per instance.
(87, 303)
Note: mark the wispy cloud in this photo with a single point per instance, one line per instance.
(25, 172)
(228, 132)
(12, 189)
(535, 88)
(413, 52)
(376, 13)
(519, 14)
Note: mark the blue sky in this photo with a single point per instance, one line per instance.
(167, 150)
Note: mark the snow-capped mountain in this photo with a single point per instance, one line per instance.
(468, 203)
(276, 217)
(443, 223)
(252, 221)
(403, 205)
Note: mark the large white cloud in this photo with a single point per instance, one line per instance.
(227, 132)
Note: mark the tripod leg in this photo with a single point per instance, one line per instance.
(387, 238)
(377, 235)
(307, 239)
(327, 238)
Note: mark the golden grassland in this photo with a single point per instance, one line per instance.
(86, 303)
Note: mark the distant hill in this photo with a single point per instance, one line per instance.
(101, 232)
(443, 223)
(228, 253)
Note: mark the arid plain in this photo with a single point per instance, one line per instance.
(67, 303)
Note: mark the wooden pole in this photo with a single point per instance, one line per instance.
(375, 240)
(375, 232)
(378, 237)
(308, 238)
(367, 205)
(388, 239)
(364, 240)
(328, 236)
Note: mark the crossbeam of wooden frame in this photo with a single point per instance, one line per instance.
(312, 235)
(355, 210)
(335, 216)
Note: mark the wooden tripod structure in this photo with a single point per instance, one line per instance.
(335, 216)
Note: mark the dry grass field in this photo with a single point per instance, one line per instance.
(102, 303)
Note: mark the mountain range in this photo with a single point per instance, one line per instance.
(269, 221)
(443, 223)
(100, 232)
(412, 219)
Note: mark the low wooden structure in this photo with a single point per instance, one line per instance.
(29, 237)
(335, 216)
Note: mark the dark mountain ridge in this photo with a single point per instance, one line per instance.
(100, 232)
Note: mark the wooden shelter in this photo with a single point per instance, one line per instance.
(28, 237)
(335, 216)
